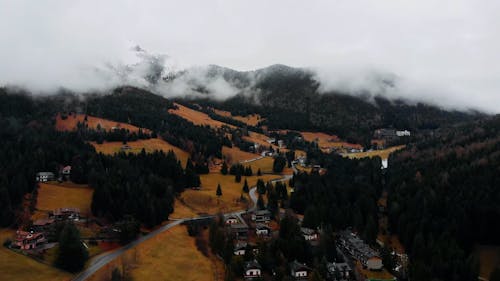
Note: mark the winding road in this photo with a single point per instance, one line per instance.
(105, 258)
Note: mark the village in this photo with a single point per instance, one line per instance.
(355, 260)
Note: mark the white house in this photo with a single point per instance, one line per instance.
(252, 270)
(44, 176)
(404, 133)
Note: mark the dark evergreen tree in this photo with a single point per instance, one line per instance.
(223, 170)
(245, 187)
(72, 254)
(218, 192)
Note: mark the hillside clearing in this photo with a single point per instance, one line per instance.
(149, 145)
(71, 122)
(197, 117)
(251, 120)
(384, 153)
(235, 155)
(59, 195)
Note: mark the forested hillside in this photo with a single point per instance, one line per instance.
(289, 98)
(444, 196)
(140, 185)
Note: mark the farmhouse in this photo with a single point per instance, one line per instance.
(252, 270)
(299, 271)
(262, 230)
(66, 171)
(261, 216)
(339, 271)
(44, 176)
(309, 234)
(28, 240)
(65, 214)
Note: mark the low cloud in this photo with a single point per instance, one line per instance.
(444, 52)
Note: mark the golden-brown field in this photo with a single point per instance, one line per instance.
(71, 122)
(59, 195)
(171, 255)
(14, 266)
(384, 153)
(149, 145)
(206, 201)
(235, 155)
(197, 117)
(251, 120)
(265, 165)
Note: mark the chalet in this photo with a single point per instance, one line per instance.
(65, 214)
(309, 234)
(299, 271)
(239, 248)
(252, 270)
(239, 230)
(44, 176)
(28, 240)
(262, 230)
(339, 271)
(66, 171)
(261, 216)
(231, 220)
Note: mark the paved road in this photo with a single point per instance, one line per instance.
(100, 261)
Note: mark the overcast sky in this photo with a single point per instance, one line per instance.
(443, 51)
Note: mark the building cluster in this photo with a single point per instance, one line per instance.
(64, 174)
(357, 249)
(36, 237)
(259, 225)
(384, 137)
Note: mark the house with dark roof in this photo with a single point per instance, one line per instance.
(262, 230)
(253, 270)
(261, 216)
(340, 272)
(239, 230)
(309, 234)
(299, 271)
(240, 248)
(65, 214)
